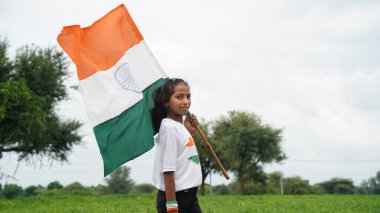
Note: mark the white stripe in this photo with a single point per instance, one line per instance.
(105, 97)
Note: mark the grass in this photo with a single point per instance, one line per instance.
(229, 204)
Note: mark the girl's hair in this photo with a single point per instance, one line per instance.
(160, 97)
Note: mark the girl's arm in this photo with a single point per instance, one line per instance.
(169, 186)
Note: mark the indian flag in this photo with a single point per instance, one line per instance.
(117, 76)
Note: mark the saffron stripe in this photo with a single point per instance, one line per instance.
(99, 46)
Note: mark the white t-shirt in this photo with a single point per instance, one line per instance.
(176, 151)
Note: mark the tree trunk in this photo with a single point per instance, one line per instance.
(241, 182)
(204, 175)
(203, 189)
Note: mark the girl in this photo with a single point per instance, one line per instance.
(177, 172)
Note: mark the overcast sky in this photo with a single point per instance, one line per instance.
(309, 67)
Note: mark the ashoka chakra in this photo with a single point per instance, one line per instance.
(125, 78)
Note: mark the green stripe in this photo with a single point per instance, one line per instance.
(172, 202)
(128, 135)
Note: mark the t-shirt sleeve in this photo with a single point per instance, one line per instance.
(169, 140)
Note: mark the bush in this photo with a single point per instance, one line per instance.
(54, 185)
(317, 189)
(31, 191)
(233, 188)
(11, 191)
(100, 190)
(76, 189)
(220, 189)
(343, 189)
(74, 186)
(296, 186)
(143, 188)
(251, 187)
(338, 186)
(51, 192)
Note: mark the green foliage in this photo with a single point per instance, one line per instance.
(273, 183)
(6, 65)
(54, 185)
(316, 189)
(296, 186)
(21, 108)
(143, 188)
(44, 71)
(31, 191)
(11, 191)
(52, 192)
(338, 186)
(220, 189)
(370, 186)
(30, 87)
(74, 186)
(247, 143)
(119, 181)
(100, 190)
(76, 189)
(233, 188)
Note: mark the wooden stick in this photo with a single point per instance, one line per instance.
(212, 152)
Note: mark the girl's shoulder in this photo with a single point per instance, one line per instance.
(169, 124)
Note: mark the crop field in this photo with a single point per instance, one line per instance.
(231, 203)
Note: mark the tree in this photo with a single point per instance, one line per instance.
(273, 184)
(143, 188)
(296, 185)
(5, 64)
(31, 191)
(119, 181)
(31, 86)
(247, 143)
(54, 185)
(338, 186)
(100, 189)
(76, 188)
(370, 186)
(11, 191)
(220, 189)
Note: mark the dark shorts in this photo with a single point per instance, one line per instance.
(187, 201)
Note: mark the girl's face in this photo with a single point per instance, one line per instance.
(179, 102)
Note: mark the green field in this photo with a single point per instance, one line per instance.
(232, 203)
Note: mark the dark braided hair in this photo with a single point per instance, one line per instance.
(160, 97)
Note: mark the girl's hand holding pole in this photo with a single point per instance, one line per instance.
(191, 122)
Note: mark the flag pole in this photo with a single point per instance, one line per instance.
(211, 150)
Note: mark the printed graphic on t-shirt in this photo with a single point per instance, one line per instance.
(191, 142)
(194, 158)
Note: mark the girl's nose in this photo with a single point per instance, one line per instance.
(186, 101)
